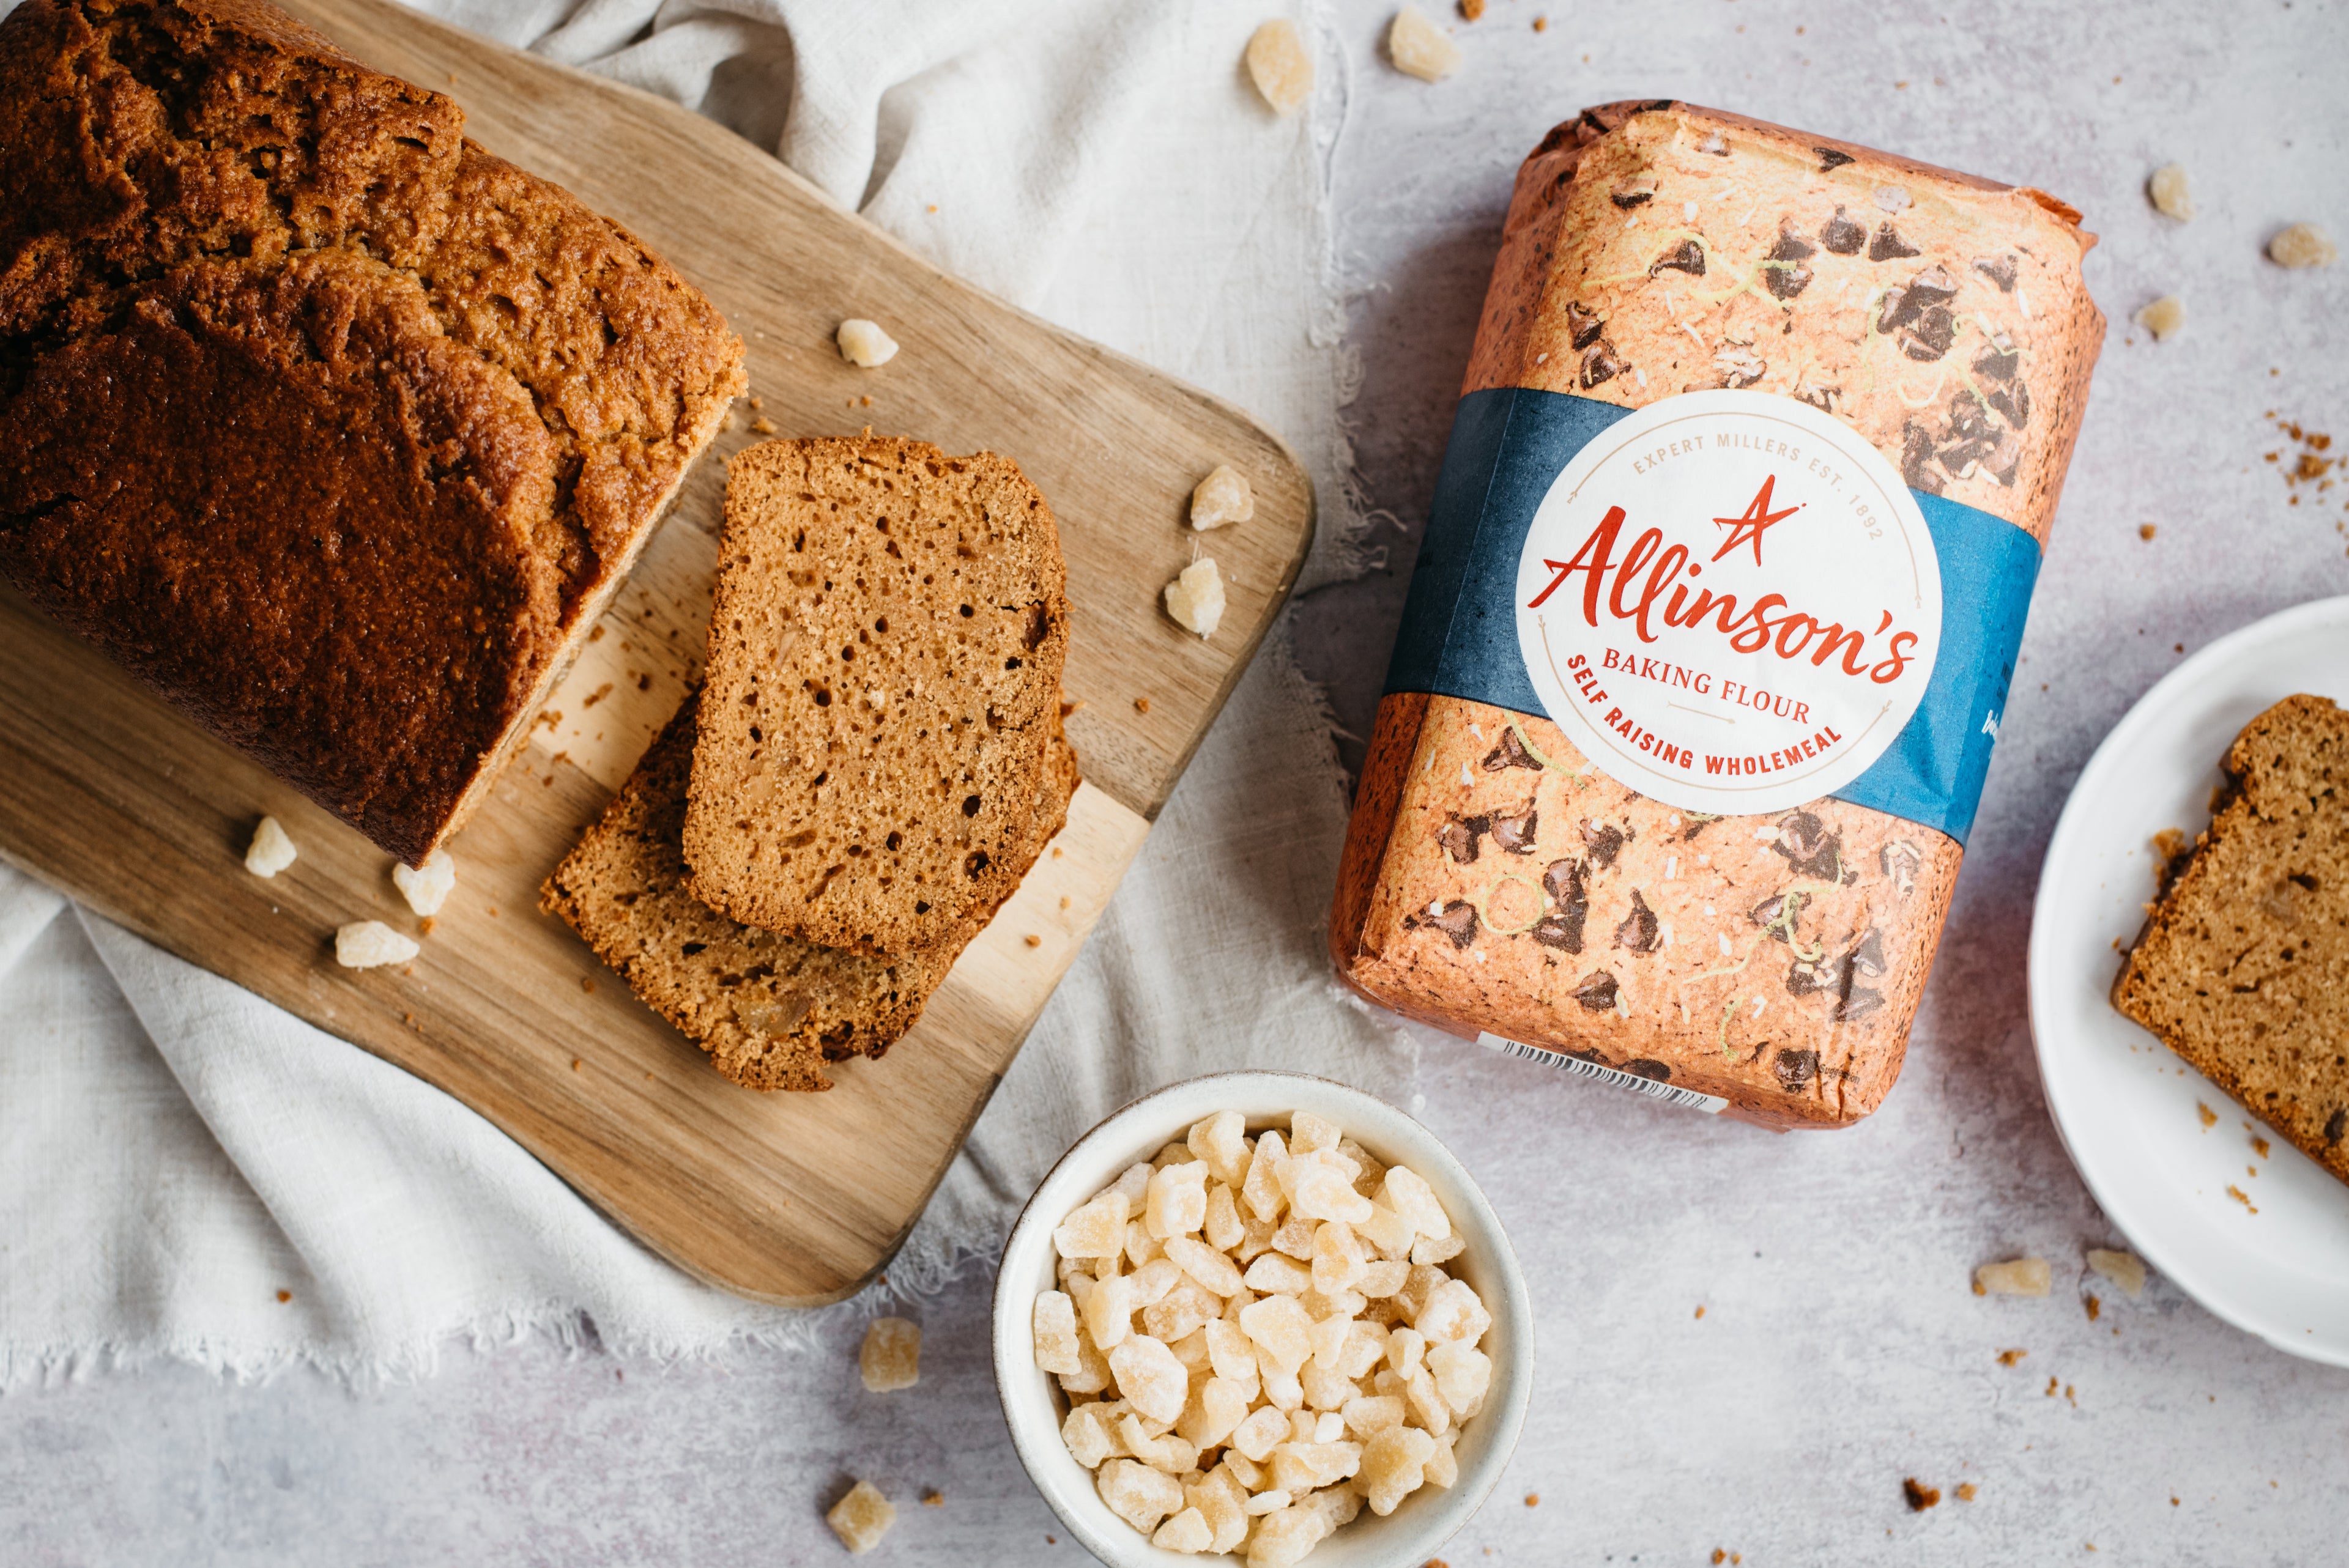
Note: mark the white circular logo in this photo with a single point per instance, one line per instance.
(1730, 601)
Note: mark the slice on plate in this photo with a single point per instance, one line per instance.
(2242, 968)
(885, 673)
(770, 1010)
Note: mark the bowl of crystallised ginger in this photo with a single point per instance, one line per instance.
(1255, 1402)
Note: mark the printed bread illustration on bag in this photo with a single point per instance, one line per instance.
(1709, 640)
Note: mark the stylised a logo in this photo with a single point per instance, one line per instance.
(1758, 517)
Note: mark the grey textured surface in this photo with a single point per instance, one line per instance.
(1840, 1349)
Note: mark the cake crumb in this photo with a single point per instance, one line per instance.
(2095, 1308)
(933, 1499)
(2145, 531)
(1533, 1500)
(2237, 1194)
(1920, 1497)
(1141, 705)
(1419, 48)
(762, 426)
(2009, 1357)
(1541, 25)
(1967, 1492)
(1033, 940)
(284, 1296)
(2210, 1117)
(2260, 1146)
(1280, 66)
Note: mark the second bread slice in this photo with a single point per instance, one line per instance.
(884, 671)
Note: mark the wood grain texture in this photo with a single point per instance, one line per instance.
(796, 1199)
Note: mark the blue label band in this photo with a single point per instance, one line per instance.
(1459, 627)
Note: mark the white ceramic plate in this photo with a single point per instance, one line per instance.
(2124, 1106)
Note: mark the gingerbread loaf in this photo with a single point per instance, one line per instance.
(337, 430)
(1709, 636)
(2242, 968)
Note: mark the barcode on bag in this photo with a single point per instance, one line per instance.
(1711, 1104)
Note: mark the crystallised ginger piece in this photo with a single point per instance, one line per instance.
(2016, 1276)
(1091, 1375)
(1394, 1465)
(1054, 1324)
(890, 1357)
(1340, 1259)
(1219, 1406)
(1223, 497)
(1185, 1310)
(1259, 1432)
(1108, 1312)
(2165, 317)
(1311, 1134)
(1281, 1331)
(1277, 1273)
(1282, 1538)
(2125, 1270)
(1366, 1416)
(271, 850)
(1406, 1347)
(1443, 1466)
(861, 1518)
(1419, 47)
(1211, 1269)
(2303, 245)
(863, 344)
(2167, 192)
(1186, 1532)
(1097, 1229)
(1196, 599)
(1222, 1228)
(1279, 67)
(1410, 1196)
(1453, 1311)
(427, 887)
(1090, 1438)
(1462, 1374)
(1178, 1202)
(1230, 1351)
(1138, 1494)
(1220, 1142)
(1325, 1193)
(1222, 1500)
(1261, 1188)
(1440, 1251)
(371, 944)
(1149, 1376)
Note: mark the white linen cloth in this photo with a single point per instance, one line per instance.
(187, 1170)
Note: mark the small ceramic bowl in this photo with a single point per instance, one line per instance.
(1034, 1405)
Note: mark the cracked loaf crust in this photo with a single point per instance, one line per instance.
(335, 430)
(2242, 967)
(770, 1011)
(1492, 879)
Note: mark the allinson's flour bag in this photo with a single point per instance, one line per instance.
(1711, 634)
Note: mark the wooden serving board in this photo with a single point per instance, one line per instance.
(795, 1199)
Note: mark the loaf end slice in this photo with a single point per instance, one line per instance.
(337, 430)
(885, 666)
(2242, 967)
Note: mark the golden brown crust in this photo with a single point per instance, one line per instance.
(886, 651)
(333, 428)
(2241, 968)
(1652, 249)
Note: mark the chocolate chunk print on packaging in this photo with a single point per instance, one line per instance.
(1744, 505)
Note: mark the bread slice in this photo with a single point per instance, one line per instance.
(335, 430)
(2242, 968)
(770, 1010)
(884, 671)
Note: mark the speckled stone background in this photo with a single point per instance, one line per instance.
(1840, 1349)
